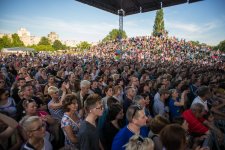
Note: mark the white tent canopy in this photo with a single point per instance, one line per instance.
(18, 50)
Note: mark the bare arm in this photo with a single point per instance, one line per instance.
(12, 125)
(70, 135)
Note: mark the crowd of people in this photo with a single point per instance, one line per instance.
(160, 93)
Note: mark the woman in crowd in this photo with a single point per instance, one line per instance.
(30, 107)
(173, 141)
(7, 104)
(37, 138)
(70, 122)
(156, 125)
(112, 125)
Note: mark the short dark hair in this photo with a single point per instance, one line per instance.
(173, 137)
(107, 88)
(202, 91)
(69, 99)
(158, 123)
(91, 101)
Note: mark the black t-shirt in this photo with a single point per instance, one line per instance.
(88, 137)
(109, 131)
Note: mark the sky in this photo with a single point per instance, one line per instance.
(202, 21)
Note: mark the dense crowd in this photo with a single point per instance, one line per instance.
(160, 93)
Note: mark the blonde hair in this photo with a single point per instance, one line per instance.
(27, 121)
(52, 89)
(138, 143)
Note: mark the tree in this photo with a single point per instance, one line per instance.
(44, 41)
(221, 46)
(158, 28)
(5, 42)
(114, 35)
(84, 46)
(16, 42)
(57, 45)
(42, 47)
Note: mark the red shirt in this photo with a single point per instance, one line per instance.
(195, 125)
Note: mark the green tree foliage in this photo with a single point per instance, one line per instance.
(220, 46)
(114, 35)
(6, 42)
(195, 43)
(83, 46)
(44, 41)
(16, 42)
(158, 28)
(42, 47)
(57, 45)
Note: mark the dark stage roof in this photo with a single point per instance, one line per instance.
(133, 6)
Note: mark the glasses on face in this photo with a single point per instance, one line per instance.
(39, 127)
(100, 107)
(136, 108)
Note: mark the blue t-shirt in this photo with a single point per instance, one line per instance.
(174, 110)
(123, 136)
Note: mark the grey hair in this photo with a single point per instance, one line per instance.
(27, 121)
(85, 83)
(138, 98)
(197, 107)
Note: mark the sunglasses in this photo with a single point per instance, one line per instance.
(39, 127)
(136, 108)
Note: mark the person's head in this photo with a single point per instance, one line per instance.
(94, 84)
(4, 94)
(69, 103)
(30, 107)
(164, 94)
(138, 99)
(27, 90)
(146, 98)
(130, 92)
(135, 114)
(158, 123)
(85, 86)
(198, 110)
(33, 127)
(21, 82)
(111, 100)
(53, 92)
(173, 137)
(108, 91)
(51, 79)
(93, 105)
(134, 81)
(204, 92)
(117, 90)
(72, 77)
(115, 112)
(138, 143)
(173, 93)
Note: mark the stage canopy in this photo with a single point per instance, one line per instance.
(133, 6)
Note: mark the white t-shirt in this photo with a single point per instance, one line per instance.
(199, 100)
